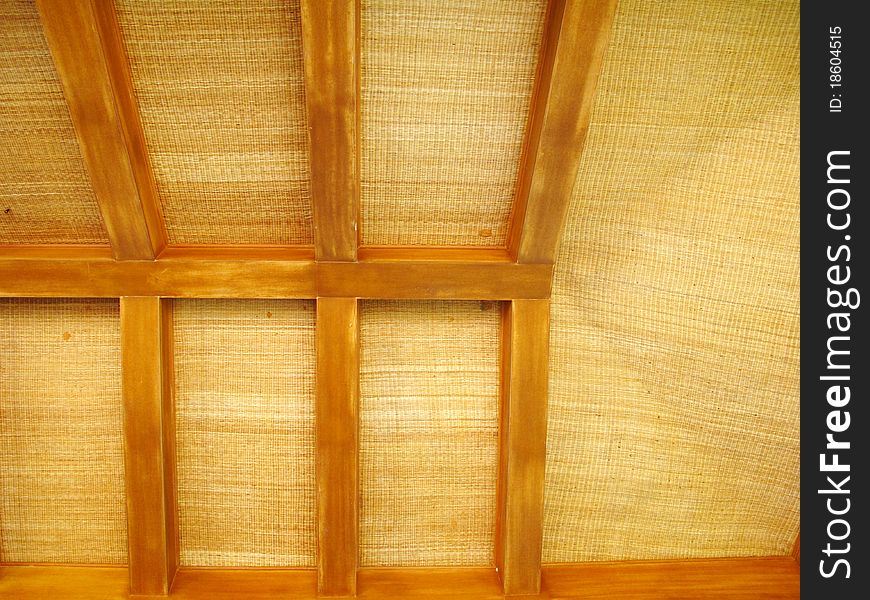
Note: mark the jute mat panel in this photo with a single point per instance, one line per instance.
(674, 408)
(61, 432)
(245, 432)
(45, 192)
(445, 89)
(428, 433)
(221, 95)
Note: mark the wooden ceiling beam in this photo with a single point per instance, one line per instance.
(700, 579)
(149, 444)
(330, 43)
(56, 252)
(85, 43)
(337, 443)
(575, 39)
(771, 578)
(519, 534)
(274, 274)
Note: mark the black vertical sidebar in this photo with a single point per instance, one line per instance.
(834, 337)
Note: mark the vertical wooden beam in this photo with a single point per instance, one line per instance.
(149, 443)
(85, 43)
(523, 445)
(337, 446)
(575, 39)
(330, 37)
(796, 549)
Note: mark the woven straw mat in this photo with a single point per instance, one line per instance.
(61, 432)
(45, 192)
(428, 433)
(674, 403)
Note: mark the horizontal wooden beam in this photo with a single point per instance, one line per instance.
(265, 252)
(434, 253)
(85, 43)
(193, 275)
(180, 278)
(55, 252)
(433, 280)
(776, 578)
(250, 584)
(572, 52)
(719, 579)
(446, 582)
(366, 253)
(38, 582)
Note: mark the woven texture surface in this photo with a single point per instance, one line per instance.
(245, 432)
(445, 95)
(61, 432)
(428, 433)
(674, 409)
(220, 91)
(45, 193)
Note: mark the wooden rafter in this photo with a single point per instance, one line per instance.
(576, 37)
(85, 43)
(149, 444)
(337, 435)
(523, 445)
(331, 56)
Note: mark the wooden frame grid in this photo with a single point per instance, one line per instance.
(141, 270)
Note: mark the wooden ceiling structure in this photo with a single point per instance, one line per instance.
(143, 270)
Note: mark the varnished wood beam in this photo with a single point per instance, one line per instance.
(149, 444)
(275, 274)
(435, 280)
(775, 578)
(715, 579)
(434, 253)
(176, 278)
(247, 584)
(443, 582)
(70, 583)
(523, 445)
(85, 43)
(575, 39)
(337, 435)
(55, 252)
(330, 41)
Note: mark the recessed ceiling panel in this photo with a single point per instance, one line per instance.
(61, 433)
(45, 192)
(428, 433)
(221, 97)
(244, 372)
(446, 88)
